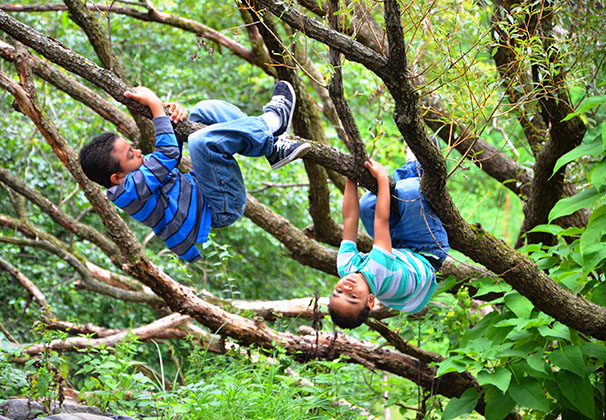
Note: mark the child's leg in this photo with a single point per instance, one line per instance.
(418, 228)
(414, 225)
(368, 201)
(212, 149)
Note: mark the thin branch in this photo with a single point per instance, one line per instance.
(25, 282)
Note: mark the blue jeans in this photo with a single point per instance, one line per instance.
(211, 149)
(413, 225)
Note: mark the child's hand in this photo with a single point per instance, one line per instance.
(377, 170)
(176, 111)
(143, 95)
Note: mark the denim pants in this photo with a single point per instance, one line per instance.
(211, 149)
(413, 225)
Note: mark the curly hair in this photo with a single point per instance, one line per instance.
(349, 322)
(97, 160)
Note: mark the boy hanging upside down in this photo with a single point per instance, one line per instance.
(410, 245)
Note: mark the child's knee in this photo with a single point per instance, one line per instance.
(408, 189)
(212, 111)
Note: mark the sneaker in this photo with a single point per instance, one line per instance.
(285, 151)
(282, 104)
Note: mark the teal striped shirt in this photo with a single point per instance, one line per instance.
(402, 279)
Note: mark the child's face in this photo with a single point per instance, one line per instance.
(130, 159)
(351, 294)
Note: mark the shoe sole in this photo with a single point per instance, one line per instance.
(299, 152)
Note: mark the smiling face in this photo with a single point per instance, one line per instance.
(350, 295)
(130, 159)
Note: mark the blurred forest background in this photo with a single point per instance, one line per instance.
(93, 304)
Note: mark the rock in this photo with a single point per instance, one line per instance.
(21, 409)
(74, 408)
(24, 409)
(74, 416)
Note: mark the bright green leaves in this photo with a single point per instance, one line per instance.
(586, 105)
(526, 361)
(569, 205)
(578, 392)
(500, 378)
(527, 392)
(464, 405)
(569, 358)
(518, 304)
(498, 405)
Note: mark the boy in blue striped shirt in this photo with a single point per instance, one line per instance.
(410, 244)
(181, 208)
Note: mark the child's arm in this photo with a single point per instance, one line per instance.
(382, 236)
(351, 211)
(146, 96)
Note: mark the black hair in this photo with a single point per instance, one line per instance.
(97, 159)
(349, 322)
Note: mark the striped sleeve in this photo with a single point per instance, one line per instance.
(349, 258)
(141, 183)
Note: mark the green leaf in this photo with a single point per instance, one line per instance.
(500, 378)
(487, 285)
(596, 228)
(452, 364)
(445, 285)
(578, 391)
(569, 358)
(594, 149)
(585, 106)
(518, 304)
(553, 229)
(499, 406)
(569, 205)
(464, 405)
(594, 255)
(598, 175)
(558, 331)
(528, 393)
(594, 350)
(589, 103)
(598, 295)
(536, 362)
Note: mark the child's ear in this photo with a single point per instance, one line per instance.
(116, 178)
(371, 301)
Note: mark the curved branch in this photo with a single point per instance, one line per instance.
(88, 281)
(353, 50)
(29, 285)
(82, 230)
(150, 16)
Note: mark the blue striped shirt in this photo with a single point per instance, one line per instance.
(402, 279)
(161, 197)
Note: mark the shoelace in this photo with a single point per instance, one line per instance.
(278, 102)
(283, 144)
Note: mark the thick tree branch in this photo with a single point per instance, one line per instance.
(124, 124)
